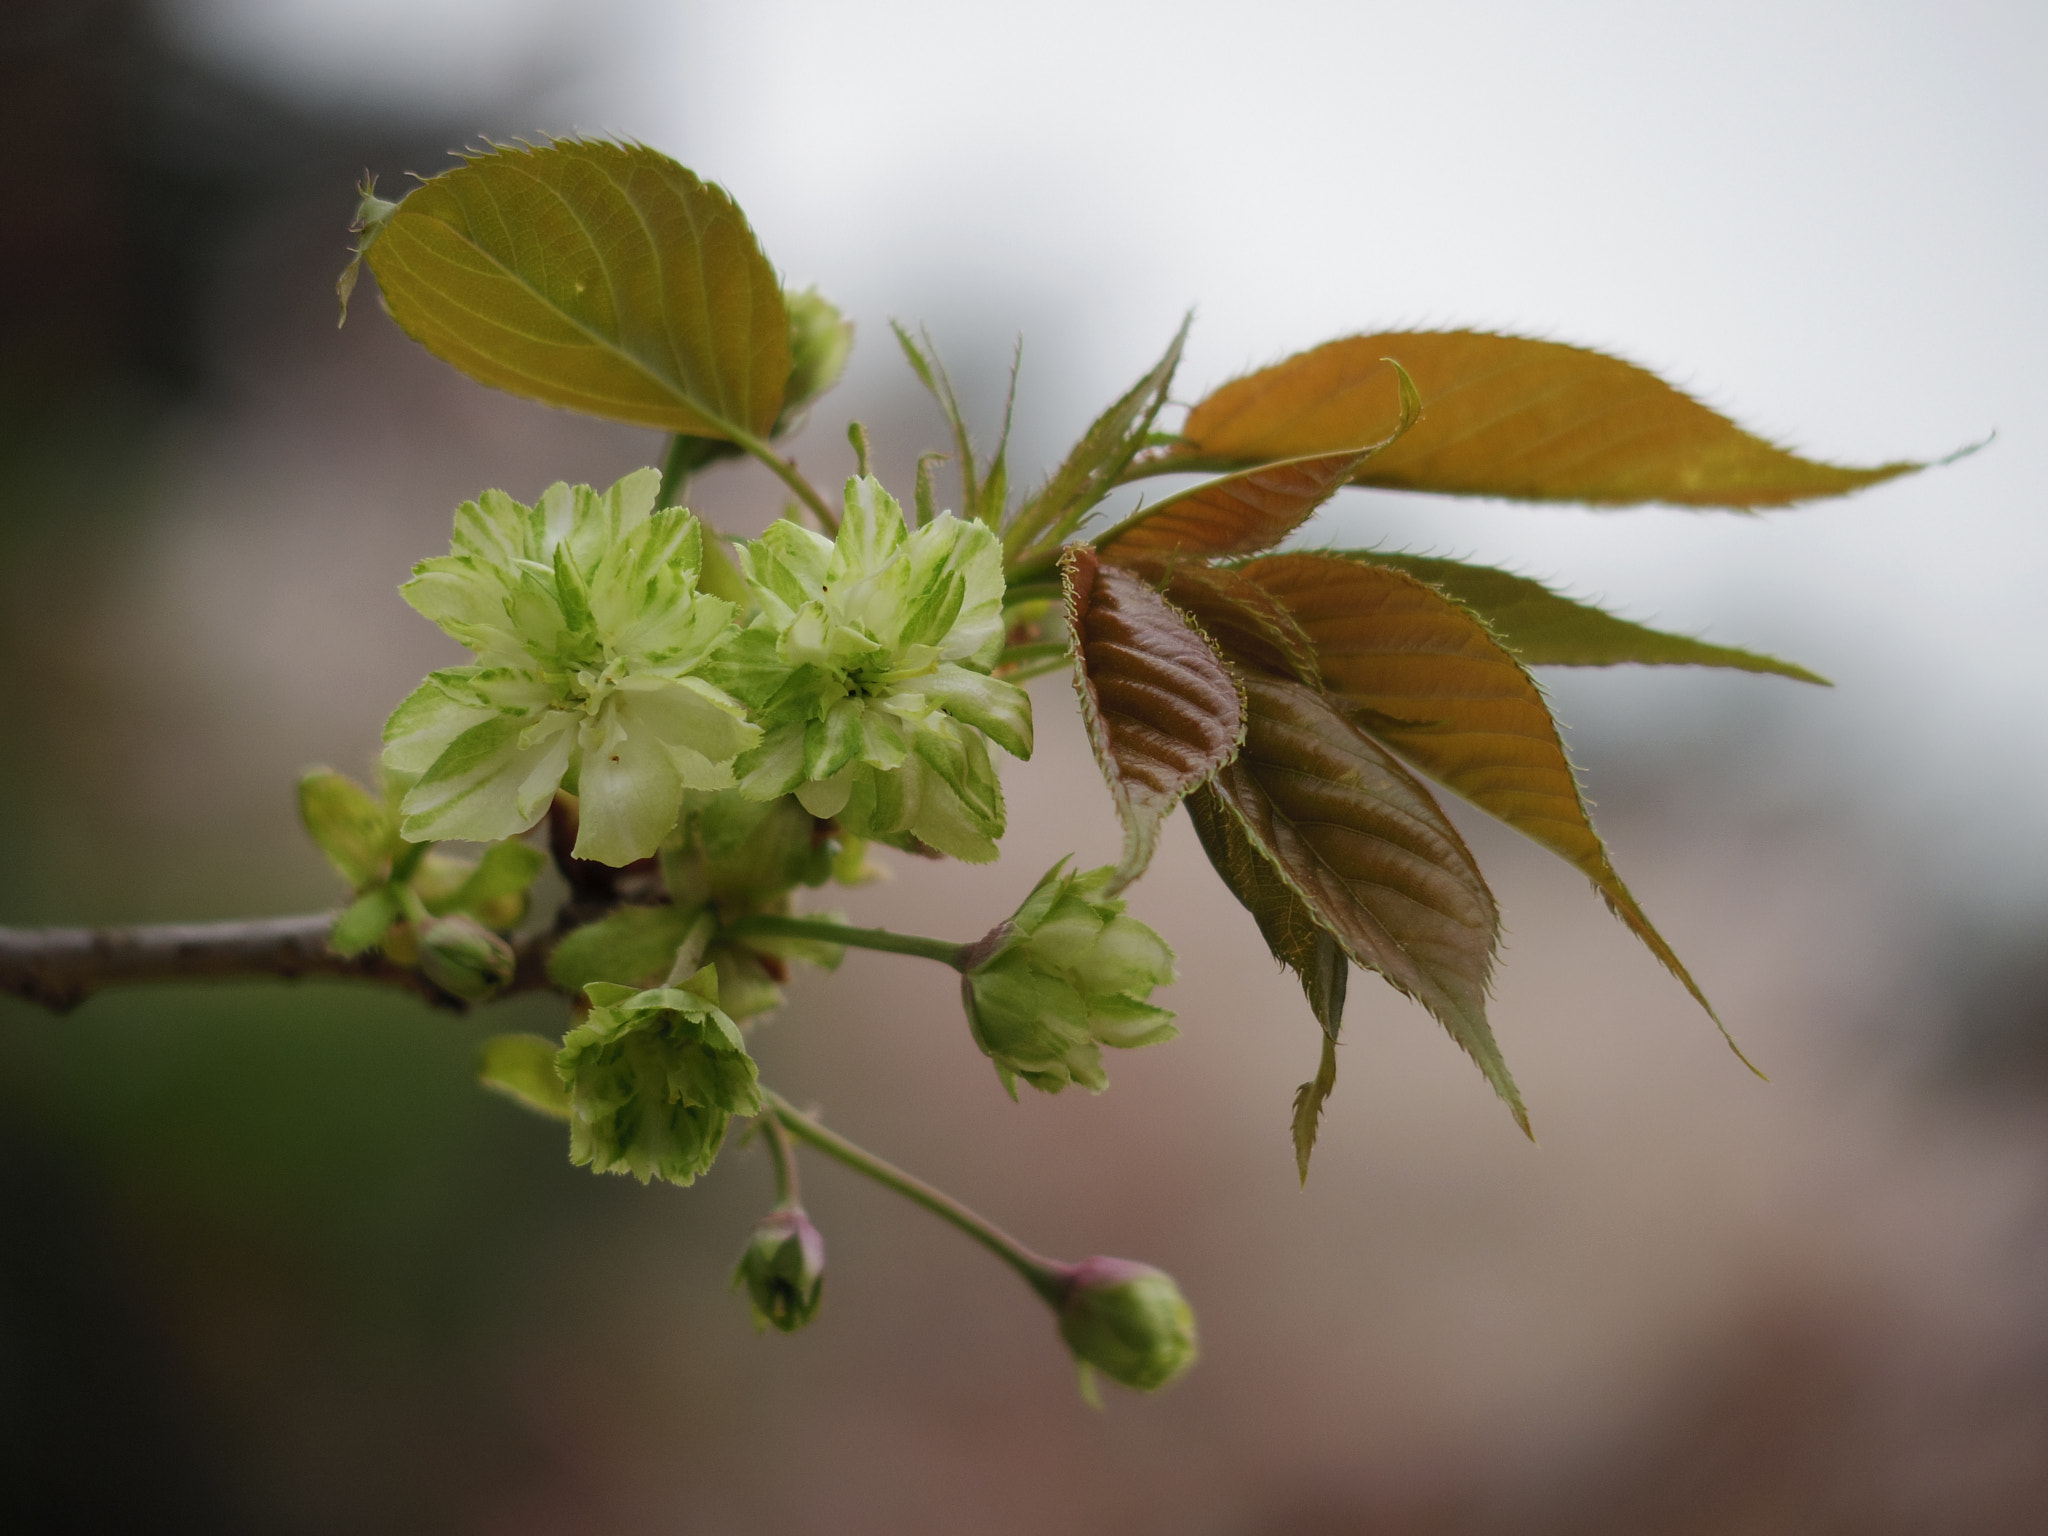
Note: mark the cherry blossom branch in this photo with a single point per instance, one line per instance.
(59, 968)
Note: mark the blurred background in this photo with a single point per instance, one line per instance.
(269, 1262)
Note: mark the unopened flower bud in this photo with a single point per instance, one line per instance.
(1069, 973)
(465, 959)
(783, 1269)
(1128, 1321)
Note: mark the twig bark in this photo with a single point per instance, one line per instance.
(61, 967)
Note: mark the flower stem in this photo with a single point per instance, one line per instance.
(1048, 1277)
(783, 1154)
(767, 926)
(788, 474)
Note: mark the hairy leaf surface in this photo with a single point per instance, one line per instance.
(1252, 626)
(599, 277)
(1372, 856)
(1544, 628)
(1508, 416)
(1163, 711)
(1444, 694)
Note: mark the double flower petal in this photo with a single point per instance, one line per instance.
(868, 667)
(591, 640)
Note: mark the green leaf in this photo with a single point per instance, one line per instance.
(1163, 711)
(506, 870)
(1285, 922)
(365, 922)
(1309, 1100)
(598, 277)
(1506, 416)
(1546, 629)
(1372, 857)
(1096, 463)
(634, 946)
(522, 1067)
(931, 373)
(354, 828)
(1441, 691)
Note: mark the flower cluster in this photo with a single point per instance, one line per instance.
(1067, 974)
(868, 666)
(602, 668)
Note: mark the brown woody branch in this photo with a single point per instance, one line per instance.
(61, 967)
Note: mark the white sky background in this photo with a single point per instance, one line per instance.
(1830, 220)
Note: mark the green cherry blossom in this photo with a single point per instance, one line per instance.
(868, 666)
(591, 638)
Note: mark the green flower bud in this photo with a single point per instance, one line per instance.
(465, 959)
(1069, 973)
(1128, 1321)
(783, 1269)
(654, 1078)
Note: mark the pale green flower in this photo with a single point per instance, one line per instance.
(868, 666)
(653, 1080)
(590, 636)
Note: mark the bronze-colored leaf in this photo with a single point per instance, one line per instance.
(1290, 930)
(600, 277)
(1506, 416)
(1444, 694)
(1372, 857)
(1252, 626)
(1238, 514)
(1547, 629)
(1163, 711)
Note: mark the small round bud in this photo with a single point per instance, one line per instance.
(1129, 1321)
(783, 1269)
(465, 959)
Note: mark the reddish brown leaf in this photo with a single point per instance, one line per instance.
(1250, 624)
(1444, 694)
(1372, 857)
(1163, 711)
(1238, 514)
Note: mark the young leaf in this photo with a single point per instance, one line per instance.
(1162, 710)
(1507, 416)
(633, 946)
(931, 373)
(599, 277)
(1546, 629)
(1309, 1100)
(1290, 930)
(1238, 514)
(1445, 695)
(1372, 857)
(1252, 626)
(522, 1067)
(1096, 462)
(354, 829)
